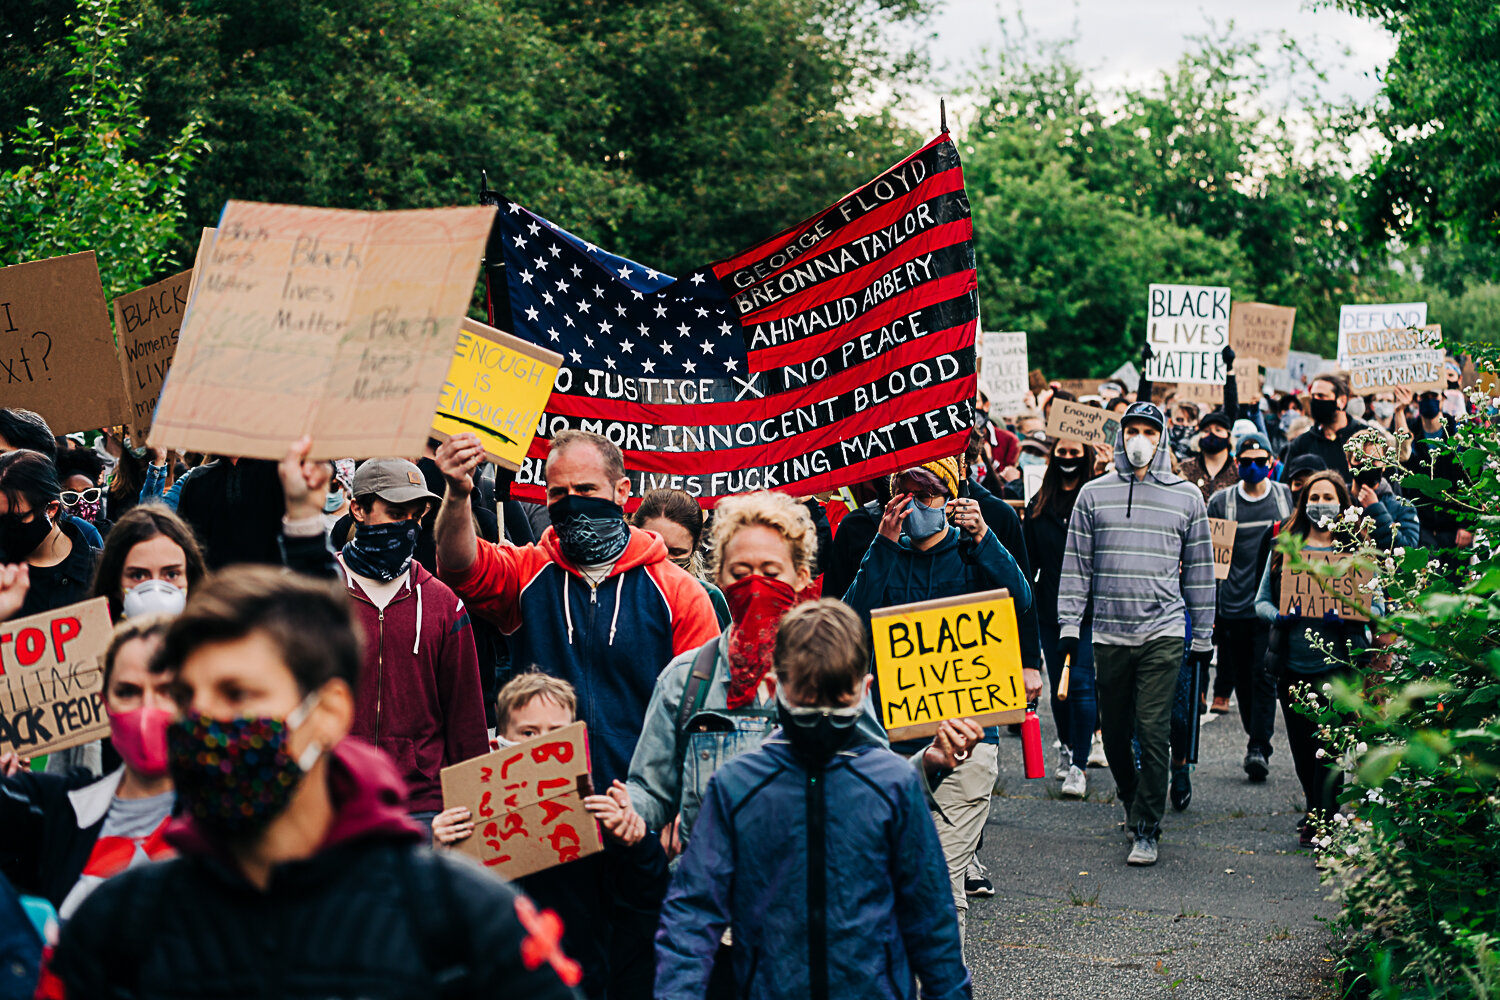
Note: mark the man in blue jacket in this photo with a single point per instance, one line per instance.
(848, 897)
(919, 555)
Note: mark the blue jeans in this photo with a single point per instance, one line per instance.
(1078, 717)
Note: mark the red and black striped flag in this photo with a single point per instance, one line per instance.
(837, 351)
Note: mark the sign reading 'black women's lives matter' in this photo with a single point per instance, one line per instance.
(1187, 327)
(51, 678)
(148, 322)
(837, 351)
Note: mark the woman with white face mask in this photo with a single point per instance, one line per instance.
(149, 563)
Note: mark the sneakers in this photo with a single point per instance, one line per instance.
(1220, 706)
(1142, 852)
(977, 880)
(1256, 765)
(1096, 753)
(1076, 784)
(1306, 835)
(1064, 763)
(1182, 787)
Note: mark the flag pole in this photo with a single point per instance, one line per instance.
(943, 115)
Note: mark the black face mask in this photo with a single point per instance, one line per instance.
(1212, 444)
(1430, 407)
(1068, 466)
(1368, 477)
(381, 551)
(1322, 410)
(590, 530)
(19, 539)
(817, 734)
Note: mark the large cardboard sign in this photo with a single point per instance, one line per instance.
(147, 323)
(1187, 327)
(1301, 595)
(1081, 422)
(1002, 371)
(52, 679)
(527, 803)
(1299, 372)
(1384, 359)
(497, 387)
(331, 323)
(953, 658)
(57, 353)
(1378, 316)
(1247, 382)
(1261, 331)
(1222, 532)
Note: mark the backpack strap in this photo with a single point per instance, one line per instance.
(1282, 510)
(1231, 504)
(695, 691)
(440, 941)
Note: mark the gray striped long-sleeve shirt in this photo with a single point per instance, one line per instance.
(1141, 549)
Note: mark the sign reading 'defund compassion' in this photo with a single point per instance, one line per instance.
(51, 678)
(1187, 327)
(1378, 316)
(331, 323)
(1381, 360)
(952, 658)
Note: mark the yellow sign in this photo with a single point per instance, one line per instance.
(497, 387)
(952, 658)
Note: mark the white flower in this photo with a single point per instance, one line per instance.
(1322, 753)
(1398, 552)
(1350, 850)
(1362, 747)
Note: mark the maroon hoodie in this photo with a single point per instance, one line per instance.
(419, 697)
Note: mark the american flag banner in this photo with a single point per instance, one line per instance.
(837, 351)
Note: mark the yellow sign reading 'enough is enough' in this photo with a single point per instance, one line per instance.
(952, 658)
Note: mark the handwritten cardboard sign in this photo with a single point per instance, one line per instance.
(57, 353)
(1298, 373)
(952, 658)
(1222, 532)
(147, 323)
(1187, 327)
(1378, 316)
(1257, 330)
(1002, 371)
(497, 387)
(52, 679)
(1247, 382)
(526, 803)
(1384, 359)
(1081, 422)
(320, 321)
(1080, 386)
(1301, 595)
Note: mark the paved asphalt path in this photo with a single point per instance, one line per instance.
(1230, 910)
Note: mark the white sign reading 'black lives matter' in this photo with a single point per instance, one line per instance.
(1187, 327)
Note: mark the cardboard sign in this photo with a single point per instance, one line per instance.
(331, 323)
(1301, 595)
(953, 658)
(1247, 382)
(147, 323)
(1081, 422)
(497, 387)
(1187, 326)
(1002, 371)
(1222, 532)
(1080, 387)
(527, 803)
(1378, 316)
(1298, 373)
(1257, 330)
(1384, 359)
(57, 353)
(52, 680)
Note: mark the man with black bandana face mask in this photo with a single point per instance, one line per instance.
(1328, 399)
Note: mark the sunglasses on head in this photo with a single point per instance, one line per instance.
(72, 499)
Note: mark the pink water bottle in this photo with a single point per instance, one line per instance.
(1031, 744)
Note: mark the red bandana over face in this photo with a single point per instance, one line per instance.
(756, 604)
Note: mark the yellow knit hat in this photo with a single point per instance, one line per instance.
(947, 471)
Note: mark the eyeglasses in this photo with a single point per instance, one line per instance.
(72, 499)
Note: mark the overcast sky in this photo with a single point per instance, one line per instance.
(1120, 40)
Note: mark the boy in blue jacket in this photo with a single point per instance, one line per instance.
(816, 838)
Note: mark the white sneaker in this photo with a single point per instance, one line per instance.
(1076, 785)
(1096, 753)
(1064, 763)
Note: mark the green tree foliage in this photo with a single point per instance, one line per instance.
(80, 180)
(1438, 182)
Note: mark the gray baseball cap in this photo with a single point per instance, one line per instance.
(394, 480)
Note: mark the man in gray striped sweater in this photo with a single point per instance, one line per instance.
(1139, 549)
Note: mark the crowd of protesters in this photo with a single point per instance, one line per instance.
(302, 647)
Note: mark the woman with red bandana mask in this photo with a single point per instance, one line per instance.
(66, 833)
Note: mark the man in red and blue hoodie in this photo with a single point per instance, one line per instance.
(597, 603)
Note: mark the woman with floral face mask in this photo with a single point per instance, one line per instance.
(76, 831)
(34, 530)
(283, 824)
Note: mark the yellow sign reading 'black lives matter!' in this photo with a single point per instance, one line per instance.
(952, 658)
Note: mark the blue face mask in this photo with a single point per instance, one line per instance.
(923, 522)
(1254, 471)
(1028, 460)
(1430, 407)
